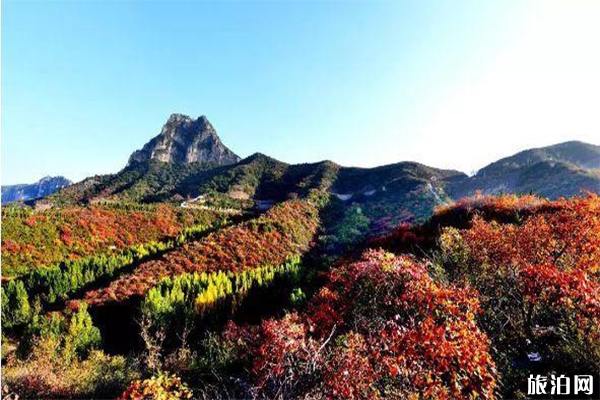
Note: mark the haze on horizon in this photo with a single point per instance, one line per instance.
(362, 83)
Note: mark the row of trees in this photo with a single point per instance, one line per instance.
(177, 299)
(59, 281)
(16, 211)
(31, 239)
(234, 265)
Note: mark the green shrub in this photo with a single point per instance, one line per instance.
(163, 386)
(15, 304)
(81, 334)
(297, 297)
(73, 336)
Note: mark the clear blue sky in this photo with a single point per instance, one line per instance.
(451, 84)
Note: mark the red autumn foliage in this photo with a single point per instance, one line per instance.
(539, 280)
(46, 238)
(504, 207)
(404, 238)
(388, 330)
(281, 351)
(271, 239)
(419, 239)
(553, 257)
(349, 372)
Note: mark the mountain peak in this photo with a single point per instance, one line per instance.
(179, 118)
(184, 140)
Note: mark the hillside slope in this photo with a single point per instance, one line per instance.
(564, 169)
(386, 190)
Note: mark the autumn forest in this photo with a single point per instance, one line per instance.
(129, 300)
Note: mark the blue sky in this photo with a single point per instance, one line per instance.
(448, 83)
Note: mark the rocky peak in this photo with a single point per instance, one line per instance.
(184, 140)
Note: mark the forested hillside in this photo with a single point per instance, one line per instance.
(464, 305)
(32, 239)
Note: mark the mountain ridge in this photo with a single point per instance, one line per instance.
(581, 154)
(171, 168)
(564, 169)
(29, 191)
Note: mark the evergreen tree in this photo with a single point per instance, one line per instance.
(15, 304)
(81, 336)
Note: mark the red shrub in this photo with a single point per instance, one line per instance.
(539, 279)
(389, 331)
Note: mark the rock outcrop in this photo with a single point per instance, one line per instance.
(185, 140)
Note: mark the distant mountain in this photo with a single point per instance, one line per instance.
(580, 154)
(563, 169)
(184, 140)
(188, 160)
(42, 188)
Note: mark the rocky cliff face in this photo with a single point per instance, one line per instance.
(185, 140)
(42, 188)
